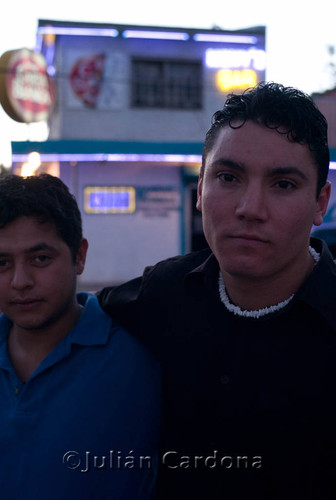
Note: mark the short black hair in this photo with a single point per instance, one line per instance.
(287, 110)
(47, 199)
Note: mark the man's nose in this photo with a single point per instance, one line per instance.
(22, 277)
(252, 204)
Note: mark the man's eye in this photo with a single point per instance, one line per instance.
(42, 259)
(226, 177)
(3, 263)
(286, 184)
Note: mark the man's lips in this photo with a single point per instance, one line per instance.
(248, 237)
(25, 303)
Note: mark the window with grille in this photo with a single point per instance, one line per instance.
(166, 84)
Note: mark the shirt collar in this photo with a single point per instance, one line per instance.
(205, 274)
(5, 325)
(93, 326)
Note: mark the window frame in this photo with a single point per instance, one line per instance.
(163, 96)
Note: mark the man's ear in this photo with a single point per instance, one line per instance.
(322, 204)
(81, 255)
(199, 192)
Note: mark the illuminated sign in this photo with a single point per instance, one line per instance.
(236, 58)
(131, 157)
(210, 37)
(64, 30)
(109, 200)
(228, 79)
(158, 35)
(26, 91)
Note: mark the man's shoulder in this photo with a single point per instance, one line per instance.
(170, 273)
(179, 264)
(118, 346)
(319, 288)
(156, 281)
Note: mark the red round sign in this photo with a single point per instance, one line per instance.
(26, 90)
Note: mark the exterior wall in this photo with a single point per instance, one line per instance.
(121, 122)
(121, 245)
(113, 118)
(327, 105)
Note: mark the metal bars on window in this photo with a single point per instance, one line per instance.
(166, 84)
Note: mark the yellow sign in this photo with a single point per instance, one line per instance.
(228, 79)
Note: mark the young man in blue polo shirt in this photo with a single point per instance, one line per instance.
(79, 397)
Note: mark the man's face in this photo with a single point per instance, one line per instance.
(258, 200)
(37, 274)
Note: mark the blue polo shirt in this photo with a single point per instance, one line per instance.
(85, 425)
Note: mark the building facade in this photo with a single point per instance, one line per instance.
(133, 104)
(326, 102)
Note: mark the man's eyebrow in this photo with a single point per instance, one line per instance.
(4, 254)
(227, 162)
(285, 170)
(288, 171)
(38, 247)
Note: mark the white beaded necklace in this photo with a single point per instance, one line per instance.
(257, 313)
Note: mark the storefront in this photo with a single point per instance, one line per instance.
(137, 200)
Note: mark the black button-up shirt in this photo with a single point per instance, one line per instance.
(249, 404)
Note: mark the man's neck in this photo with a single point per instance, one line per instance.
(252, 294)
(28, 347)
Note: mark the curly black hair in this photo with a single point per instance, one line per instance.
(287, 110)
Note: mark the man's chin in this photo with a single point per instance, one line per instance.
(33, 324)
(245, 268)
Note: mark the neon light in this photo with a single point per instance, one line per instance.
(161, 35)
(228, 79)
(63, 30)
(208, 37)
(166, 158)
(171, 158)
(233, 58)
(39, 43)
(109, 200)
(51, 70)
(45, 157)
